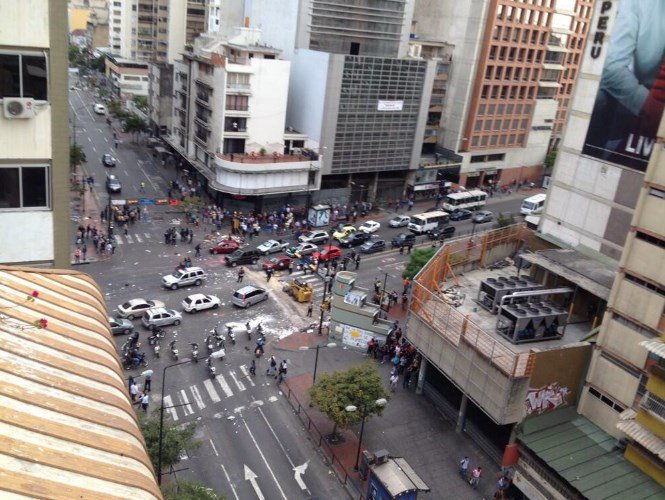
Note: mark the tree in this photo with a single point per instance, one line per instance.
(551, 158)
(190, 490)
(76, 56)
(175, 440)
(419, 258)
(76, 156)
(359, 386)
(141, 102)
(133, 124)
(98, 63)
(504, 220)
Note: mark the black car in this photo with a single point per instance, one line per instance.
(373, 246)
(441, 232)
(355, 239)
(403, 239)
(461, 214)
(242, 256)
(108, 160)
(113, 184)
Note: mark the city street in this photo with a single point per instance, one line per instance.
(252, 445)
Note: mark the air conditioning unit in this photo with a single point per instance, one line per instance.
(18, 108)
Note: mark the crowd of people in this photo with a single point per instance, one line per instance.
(102, 244)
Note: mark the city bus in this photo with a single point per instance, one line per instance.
(470, 200)
(427, 221)
(533, 204)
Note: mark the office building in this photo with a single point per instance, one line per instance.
(34, 141)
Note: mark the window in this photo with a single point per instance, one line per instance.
(23, 75)
(597, 394)
(24, 187)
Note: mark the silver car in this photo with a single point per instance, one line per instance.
(160, 316)
(120, 326)
(249, 295)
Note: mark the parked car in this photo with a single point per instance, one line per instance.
(272, 246)
(199, 302)
(108, 160)
(184, 277)
(343, 232)
(113, 184)
(314, 237)
(225, 246)
(328, 253)
(369, 226)
(136, 307)
(278, 263)
(249, 295)
(302, 249)
(483, 216)
(461, 214)
(120, 326)
(373, 246)
(100, 109)
(403, 239)
(399, 221)
(242, 256)
(160, 316)
(441, 232)
(355, 239)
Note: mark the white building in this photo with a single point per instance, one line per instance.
(34, 141)
(229, 115)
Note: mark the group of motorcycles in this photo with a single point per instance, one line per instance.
(215, 344)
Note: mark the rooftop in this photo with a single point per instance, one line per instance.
(267, 158)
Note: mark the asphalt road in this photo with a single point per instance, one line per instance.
(246, 426)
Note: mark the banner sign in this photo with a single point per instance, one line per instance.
(390, 105)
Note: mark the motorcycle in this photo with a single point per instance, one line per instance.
(135, 360)
(156, 334)
(174, 351)
(210, 343)
(212, 371)
(219, 338)
(195, 352)
(231, 334)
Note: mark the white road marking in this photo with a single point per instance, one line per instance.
(272, 399)
(256, 403)
(197, 397)
(125, 172)
(251, 476)
(225, 387)
(105, 138)
(185, 401)
(167, 402)
(118, 240)
(89, 140)
(239, 409)
(213, 448)
(138, 238)
(129, 238)
(240, 385)
(245, 372)
(228, 479)
(211, 391)
(297, 475)
(94, 149)
(147, 235)
(279, 487)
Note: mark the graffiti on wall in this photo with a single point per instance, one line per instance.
(545, 399)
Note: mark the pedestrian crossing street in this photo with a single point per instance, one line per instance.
(209, 392)
(132, 238)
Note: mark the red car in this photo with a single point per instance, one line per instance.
(328, 253)
(278, 263)
(227, 246)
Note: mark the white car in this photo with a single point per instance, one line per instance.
(272, 246)
(199, 302)
(136, 307)
(399, 221)
(314, 237)
(369, 226)
(100, 109)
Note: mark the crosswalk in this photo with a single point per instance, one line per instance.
(132, 238)
(195, 398)
(313, 279)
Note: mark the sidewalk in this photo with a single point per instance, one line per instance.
(410, 427)
(86, 209)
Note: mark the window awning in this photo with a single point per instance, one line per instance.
(654, 346)
(641, 435)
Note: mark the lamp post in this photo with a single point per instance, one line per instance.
(316, 358)
(351, 408)
(326, 285)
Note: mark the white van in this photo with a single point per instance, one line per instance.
(533, 204)
(427, 221)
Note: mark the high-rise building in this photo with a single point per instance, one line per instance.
(34, 143)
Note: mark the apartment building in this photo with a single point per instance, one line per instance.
(516, 62)
(34, 143)
(229, 122)
(128, 78)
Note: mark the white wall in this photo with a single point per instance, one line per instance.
(263, 178)
(36, 236)
(307, 92)
(177, 29)
(277, 21)
(25, 23)
(26, 138)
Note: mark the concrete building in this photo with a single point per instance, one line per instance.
(515, 64)
(34, 141)
(222, 126)
(127, 78)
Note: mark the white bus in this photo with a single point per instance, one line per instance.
(427, 221)
(533, 204)
(470, 200)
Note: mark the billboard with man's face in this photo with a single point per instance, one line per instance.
(630, 100)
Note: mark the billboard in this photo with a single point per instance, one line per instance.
(630, 99)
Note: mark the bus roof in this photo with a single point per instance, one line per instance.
(466, 194)
(436, 213)
(536, 198)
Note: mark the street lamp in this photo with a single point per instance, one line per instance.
(316, 359)
(381, 402)
(326, 285)
(214, 355)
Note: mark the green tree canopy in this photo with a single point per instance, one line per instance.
(190, 490)
(551, 158)
(504, 220)
(98, 63)
(141, 102)
(359, 386)
(76, 55)
(176, 439)
(76, 156)
(134, 125)
(419, 258)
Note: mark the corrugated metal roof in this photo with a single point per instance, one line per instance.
(654, 346)
(67, 426)
(587, 457)
(398, 477)
(640, 434)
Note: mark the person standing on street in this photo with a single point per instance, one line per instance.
(133, 390)
(241, 274)
(357, 261)
(464, 467)
(268, 274)
(198, 250)
(148, 380)
(475, 477)
(310, 308)
(84, 252)
(145, 401)
(394, 378)
(142, 187)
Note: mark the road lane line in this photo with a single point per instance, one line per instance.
(147, 235)
(211, 391)
(129, 239)
(184, 401)
(94, 149)
(197, 397)
(245, 372)
(228, 479)
(167, 403)
(225, 387)
(89, 140)
(213, 448)
(106, 138)
(279, 487)
(138, 238)
(118, 240)
(240, 385)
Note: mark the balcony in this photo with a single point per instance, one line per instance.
(267, 158)
(238, 88)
